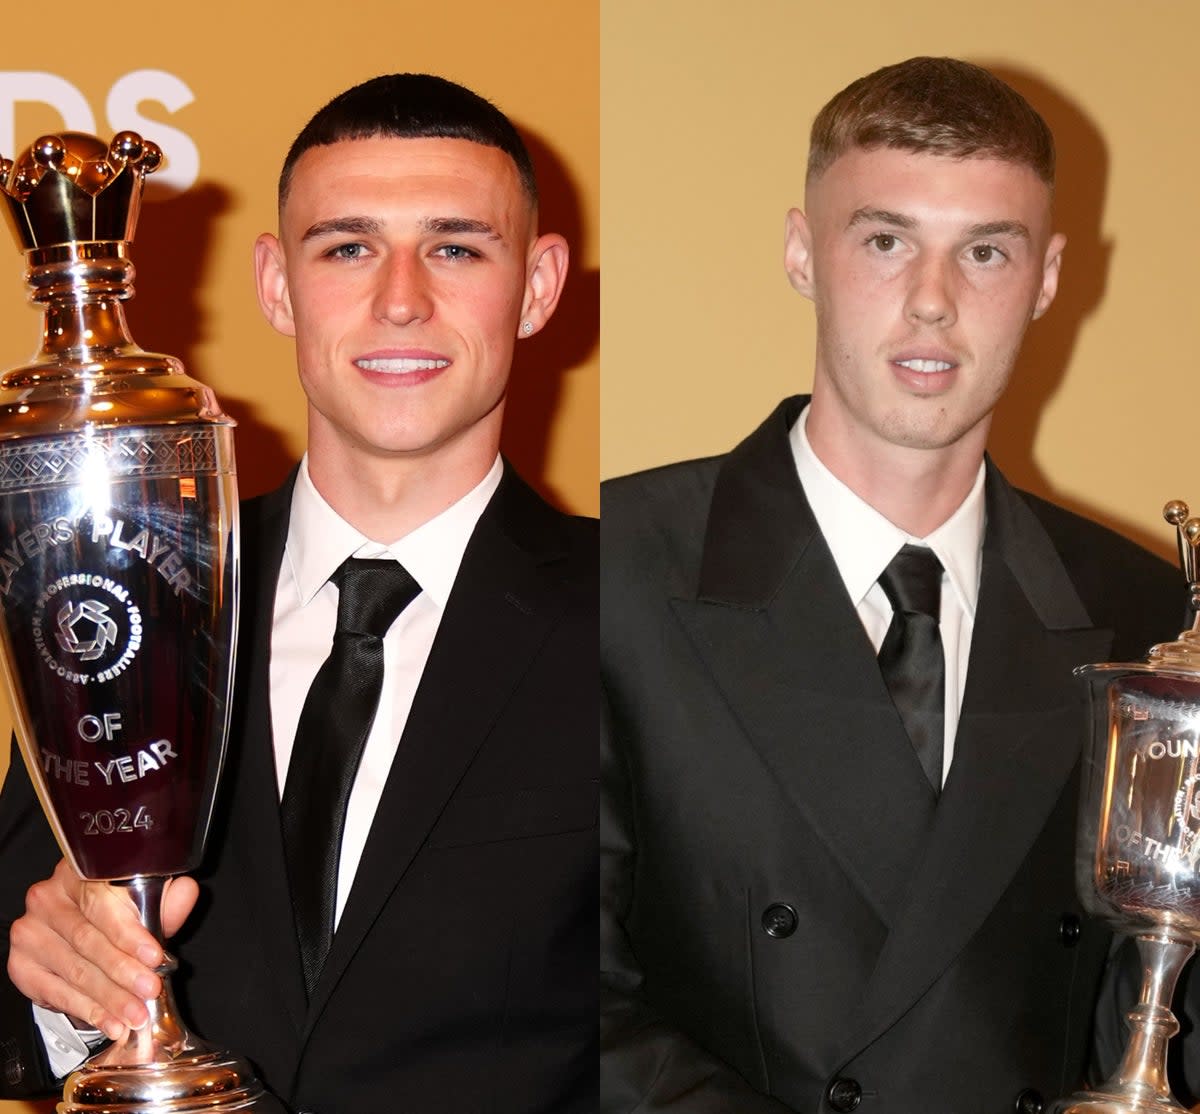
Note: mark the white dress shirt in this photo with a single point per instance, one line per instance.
(863, 543)
(305, 617)
(318, 541)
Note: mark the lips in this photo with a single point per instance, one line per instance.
(925, 367)
(927, 370)
(401, 364)
(406, 367)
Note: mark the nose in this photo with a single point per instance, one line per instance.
(930, 298)
(402, 295)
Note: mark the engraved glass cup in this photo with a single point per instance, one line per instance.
(118, 590)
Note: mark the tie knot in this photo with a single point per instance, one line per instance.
(913, 581)
(371, 593)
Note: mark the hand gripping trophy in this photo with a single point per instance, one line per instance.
(118, 589)
(1138, 851)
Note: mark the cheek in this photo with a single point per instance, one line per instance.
(490, 316)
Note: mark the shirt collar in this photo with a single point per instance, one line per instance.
(846, 520)
(319, 539)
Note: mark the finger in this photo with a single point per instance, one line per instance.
(179, 899)
(86, 930)
(112, 911)
(49, 971)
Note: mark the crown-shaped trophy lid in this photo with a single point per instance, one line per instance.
(75, 188)
(1183, 655)
(1180, 657)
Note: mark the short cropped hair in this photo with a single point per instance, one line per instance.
(411, 106)
(939, 106)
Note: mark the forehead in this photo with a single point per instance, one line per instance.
(930, 187)
(385, 176)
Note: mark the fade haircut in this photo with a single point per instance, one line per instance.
(411, 106)
(938, 106)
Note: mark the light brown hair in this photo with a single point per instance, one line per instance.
(939, 106)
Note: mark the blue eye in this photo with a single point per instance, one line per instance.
(348, 251)
(456, 251)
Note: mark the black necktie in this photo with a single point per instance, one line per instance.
(911, 658)
(333, 728)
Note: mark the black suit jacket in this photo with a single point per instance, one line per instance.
(462, 975)
(784, 905)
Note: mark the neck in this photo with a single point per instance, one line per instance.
(917, 489)
(386, 498)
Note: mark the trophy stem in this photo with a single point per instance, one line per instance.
(1140, 1085)
(163, 1068)
(165, 1035)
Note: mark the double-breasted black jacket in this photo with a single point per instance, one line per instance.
(790, 921)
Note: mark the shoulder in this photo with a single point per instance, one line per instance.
(652, 528)
(1125, 587)
(671, 499)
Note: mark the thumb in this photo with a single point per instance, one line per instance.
(179, 898)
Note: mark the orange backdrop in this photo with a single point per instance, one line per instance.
(224, 88)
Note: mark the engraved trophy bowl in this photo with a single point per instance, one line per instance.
(1137, 859)
(118, 589)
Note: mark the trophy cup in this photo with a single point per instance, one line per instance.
(118, 590)
(1138, 852)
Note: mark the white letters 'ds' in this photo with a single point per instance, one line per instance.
(122, 110)
(125, 99)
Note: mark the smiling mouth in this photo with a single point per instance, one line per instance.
(401, 365)
(925, 366)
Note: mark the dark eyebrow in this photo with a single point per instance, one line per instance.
(369, 226)
(458, 226)
(999, 228)
(343, 226)
(880, 216)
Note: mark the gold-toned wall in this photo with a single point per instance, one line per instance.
(705, 113)
(254, 73)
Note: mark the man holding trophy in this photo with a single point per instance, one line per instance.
(396, 905)
(841, 752)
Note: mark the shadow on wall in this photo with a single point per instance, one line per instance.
(1082, 184)
(171, 253)
(540, 363)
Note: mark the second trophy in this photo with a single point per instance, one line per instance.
(1138, 850)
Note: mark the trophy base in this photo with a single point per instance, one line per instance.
(1101, 1102)
(200, 1080)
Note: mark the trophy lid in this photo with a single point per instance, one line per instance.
(1180, 657)
(75, 188)
(73, 200)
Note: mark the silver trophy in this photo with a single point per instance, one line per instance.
(1138, 851)
(118, 589)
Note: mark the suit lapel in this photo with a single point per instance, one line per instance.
(499, 613)
(781, 638)
(1018, 740)
(256, 841)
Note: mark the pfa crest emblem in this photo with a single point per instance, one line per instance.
(85, 629)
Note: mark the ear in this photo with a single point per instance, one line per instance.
(545, 273)
(797, 253)
(1051, 266)
(270, 276)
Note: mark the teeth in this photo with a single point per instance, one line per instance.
(401, 365)
(925, 365)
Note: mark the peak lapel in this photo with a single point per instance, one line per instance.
(255, 841)
(1018, 740)
(782, 640)
(504, 602)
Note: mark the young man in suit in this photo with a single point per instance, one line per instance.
(839, 774)
(453, 967)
